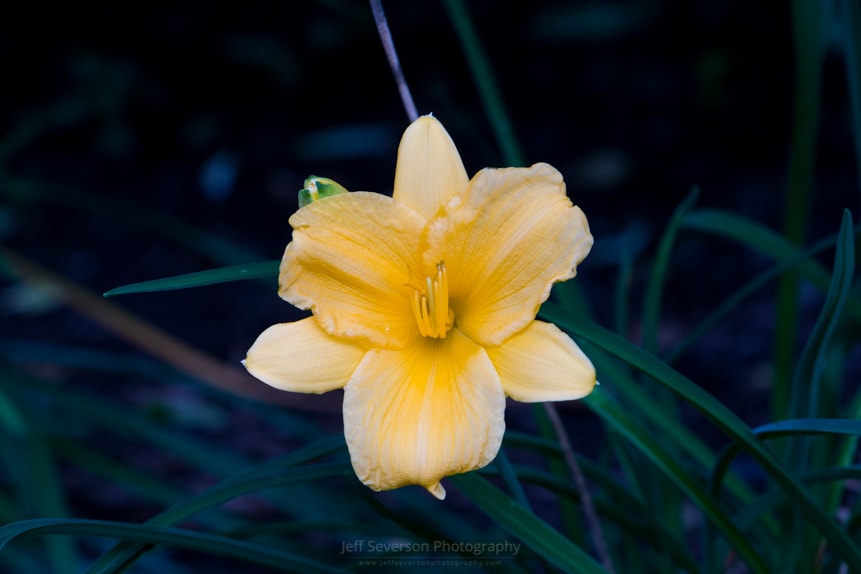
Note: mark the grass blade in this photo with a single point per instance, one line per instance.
(804, 394)
(262, 270)
(720, 415)
(682, 477)
(655, 286)
(485, 81)
(534, 532)
(201, 542)
(791, 427)
(616, 506)
(731, 302)
(144, 335)
(852, 55)
(33, 472)
(807, 32)
(767, 242)
(269, 477)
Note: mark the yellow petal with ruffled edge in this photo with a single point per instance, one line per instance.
(541, 363)
(301, 357)
(429, 410)
(505, 242)
(429, 169)
(351, 262)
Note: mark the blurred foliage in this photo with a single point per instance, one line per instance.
(142, 142)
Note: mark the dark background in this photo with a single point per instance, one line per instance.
(212, 114)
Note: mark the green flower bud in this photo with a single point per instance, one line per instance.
(318, 188)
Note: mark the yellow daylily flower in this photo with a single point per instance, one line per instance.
(424, 309)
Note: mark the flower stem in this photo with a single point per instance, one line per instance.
(392, 54)
(580, 480)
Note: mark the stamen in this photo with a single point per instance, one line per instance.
(430, 305)
(417, 313)
(431, 329)
(430, 309)
(441, 293)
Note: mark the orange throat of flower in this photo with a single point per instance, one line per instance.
(430, 305)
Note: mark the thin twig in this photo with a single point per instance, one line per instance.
(580, 480)
(391, 53)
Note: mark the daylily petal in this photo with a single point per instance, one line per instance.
(541, 363)
(350, 262)
(301, 357)
(512, 235)
(429, 410)
(429, 169)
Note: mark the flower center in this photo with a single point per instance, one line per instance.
(430, 305)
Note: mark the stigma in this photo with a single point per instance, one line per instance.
(430, 305)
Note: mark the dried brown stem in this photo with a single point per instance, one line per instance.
(586, 499)
(392, 54)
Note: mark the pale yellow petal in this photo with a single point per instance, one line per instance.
(351, 262)
(429, 169)
(301, 357)
(541, 363)
(512, 236)
(418, 414)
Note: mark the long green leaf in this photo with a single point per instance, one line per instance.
(805, 390)
(485, 81)
(852, 472)
(571, 516)
(201, 542)
(35, 475)
(127, 476)
(805, 387)
(620, 507)
(846, 427)
(681, 476)
(725, 419)
(210, 245)
(852, 57)
(617, 503)
(269, 475)
(749, 288)
(58, 406)
(808, 45)
(667, 500)
(534, 532)
(106, 415)
(791, 427)
(261, 270)
(655, 285)
(676, 440)
(622, 292)
(511, 480)
(649, 413)
(757, 237)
